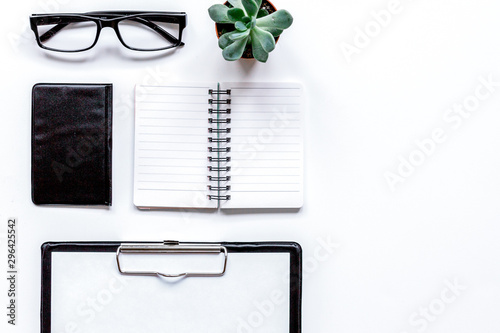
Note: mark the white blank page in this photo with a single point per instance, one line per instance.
(170, 163)
(266, 145)
(90, 296)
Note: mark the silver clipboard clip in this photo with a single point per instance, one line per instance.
(172, 247)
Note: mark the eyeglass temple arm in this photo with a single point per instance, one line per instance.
(58, 27)
(54, 30)
(158, 29)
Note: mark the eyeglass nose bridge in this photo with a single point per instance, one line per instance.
(101, 24)
(107, 24)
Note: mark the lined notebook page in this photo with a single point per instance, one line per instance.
(170, 162)
(266, 145)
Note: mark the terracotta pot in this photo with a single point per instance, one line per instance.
(222, 28)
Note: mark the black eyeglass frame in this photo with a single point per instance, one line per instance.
(111, 19)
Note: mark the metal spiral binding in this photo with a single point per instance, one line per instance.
(219, 149)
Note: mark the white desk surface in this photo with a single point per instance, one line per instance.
(420, 257)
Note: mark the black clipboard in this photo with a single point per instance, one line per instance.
(102, 287)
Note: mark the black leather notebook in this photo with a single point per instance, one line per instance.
(71, 144)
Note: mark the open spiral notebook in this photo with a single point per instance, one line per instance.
(227, 145)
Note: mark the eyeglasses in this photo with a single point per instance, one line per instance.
(140, 31)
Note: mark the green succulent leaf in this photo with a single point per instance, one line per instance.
(240, 26)
(235, 14)
(280, 19)
(236, 3)
(253, 22)
(239, 35)
(262, 12)
(258, 2)
(218, 13)
(235, 50)
(274, 31)
(226, 40)
(265, 38)
(246, 19)
(257, 50)
(250, 7)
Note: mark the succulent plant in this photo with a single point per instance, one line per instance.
(253, 26)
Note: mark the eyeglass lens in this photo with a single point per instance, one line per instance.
(144, 33)
(67, 34)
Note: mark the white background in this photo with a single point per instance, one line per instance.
(392, 251)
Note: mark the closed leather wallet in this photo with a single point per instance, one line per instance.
(71, 144)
